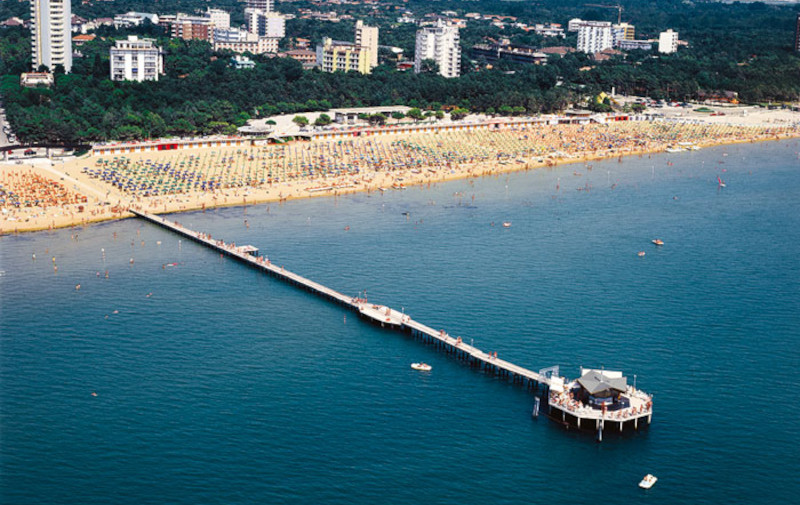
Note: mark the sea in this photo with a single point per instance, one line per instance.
(176, 376)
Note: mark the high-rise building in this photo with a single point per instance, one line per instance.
(51, 33)
(333, 55)
(262, 5)
(136, 60)
(797, 35)
(265, 24)
(594, 36)
(668, 42)
(219, 18)
(188, 27)
(441, 44)
(622, 31)
(367, 36)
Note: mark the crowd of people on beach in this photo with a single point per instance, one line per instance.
(185, 179)
(20, 188)
(362, 157)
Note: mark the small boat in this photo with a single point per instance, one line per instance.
(648, 481)
(658, 241)
(506, 224)
(640, 253)
(720, 182)
(422, 367)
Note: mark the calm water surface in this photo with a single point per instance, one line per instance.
(226, 386)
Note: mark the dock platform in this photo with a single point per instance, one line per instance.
(378, 314)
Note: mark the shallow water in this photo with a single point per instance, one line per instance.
(226, 386)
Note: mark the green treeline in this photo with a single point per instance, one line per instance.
(738, 47)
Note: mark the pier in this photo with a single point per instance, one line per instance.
(548, 379)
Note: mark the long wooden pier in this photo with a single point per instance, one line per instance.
(379, 314)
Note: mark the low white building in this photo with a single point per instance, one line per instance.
(261, 45)
(133, 19)
(136, 60)
(668, 42)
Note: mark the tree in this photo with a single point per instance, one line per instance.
(429, 66)
(300, 121)
(458, 114)
(439, 114)
(377, 119)
(397, 115)
(323, 120)
(415, 114)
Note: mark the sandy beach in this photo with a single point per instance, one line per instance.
(42, 194)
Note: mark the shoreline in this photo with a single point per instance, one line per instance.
(309, 187)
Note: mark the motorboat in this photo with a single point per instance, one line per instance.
(658, 241)
(641, 253)
(507, 224)
(422, 367)
(648, 481)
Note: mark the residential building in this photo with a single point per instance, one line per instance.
(262, 5)
(265, 24)
(51, 34)
(441, 44)
(622, 31)
(594, 36)
(233, 35)
(305, 56)
(261, 45)
(334, 55)
(574, 24)
(516, 53)
(136, 59)
(668, 42)
(549, 30)
(242, 63)
(188, 27)
(79, 40)
(219, 18)
(630, 45)
(36, 79)
(367, 36)
(134, 19)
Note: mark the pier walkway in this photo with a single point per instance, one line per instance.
(379, 314)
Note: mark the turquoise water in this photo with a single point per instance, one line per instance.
(227, 386)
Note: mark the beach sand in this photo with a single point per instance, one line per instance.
(261, 174)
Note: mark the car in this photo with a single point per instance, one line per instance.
(29, 152)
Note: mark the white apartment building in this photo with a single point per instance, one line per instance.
(51, 34)
(262, 5)
(668, 42)
(134, 19)
(367, 36)
(265, 24)
(220, 18)
(441, 44)
(261, 45)
(574, 24)
(136, 60)
(594, 36)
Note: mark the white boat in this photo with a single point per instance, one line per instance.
(422, 367)
(507, 224)
(648, 481)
